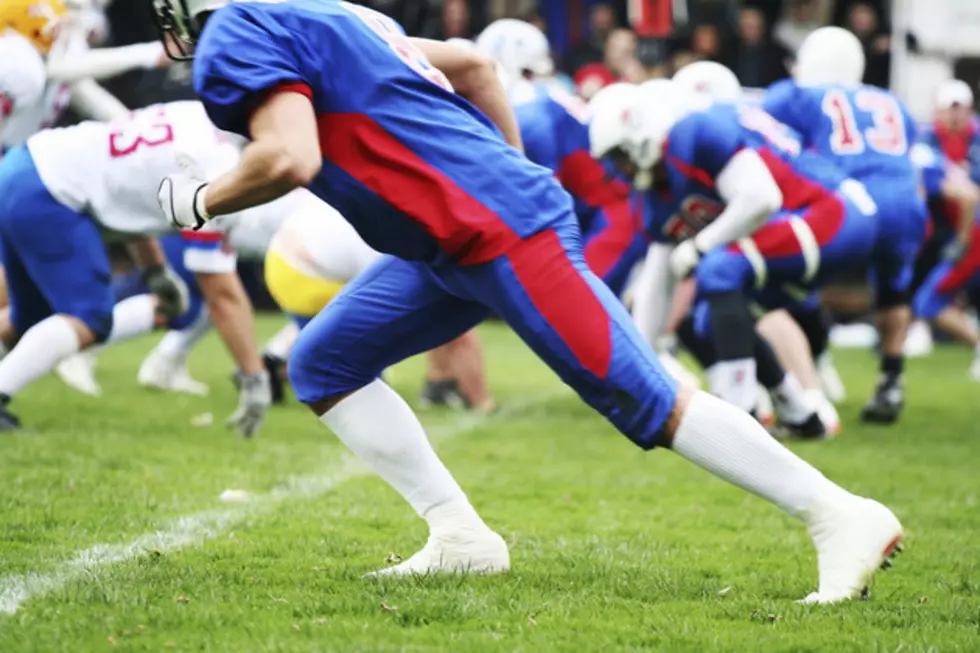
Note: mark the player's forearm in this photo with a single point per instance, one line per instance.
(232, 315)
(105, 62)
(743, 215)
(474, 77)
(90, 100)
(146, 253)
(266, 172)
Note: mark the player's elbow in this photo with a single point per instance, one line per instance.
(765, 198)
(478, 72)
(294, 168)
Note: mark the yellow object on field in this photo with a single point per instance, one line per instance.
(296, 292)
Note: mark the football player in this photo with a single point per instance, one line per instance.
(414, 143)
(868, 132)
(56, 192)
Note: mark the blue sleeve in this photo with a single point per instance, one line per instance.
(718, 138)
(931, 165)
(973, 156)
(540, 142)
(782, 103)
(238, 60)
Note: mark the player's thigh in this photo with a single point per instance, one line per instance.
(394, 310)
(567, 315)
(28, 305)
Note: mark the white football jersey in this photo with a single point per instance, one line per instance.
(28, 103)
(317, 241)
(112, 171)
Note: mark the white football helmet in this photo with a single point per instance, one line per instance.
(634, 122)
(181, 20)
(830, 55)
(711, 80)
(519, 47)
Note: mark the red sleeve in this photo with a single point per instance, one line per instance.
(586, 179)
(285, 87)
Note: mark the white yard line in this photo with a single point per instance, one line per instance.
(197, 528)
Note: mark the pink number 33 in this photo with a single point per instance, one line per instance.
(400, 44)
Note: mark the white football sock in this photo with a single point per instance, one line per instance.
(281, 344)
(731, 445)
(793, 403)
(734, 381)
(39, 351)
(379, 427)
(132, 317)
(177, 345)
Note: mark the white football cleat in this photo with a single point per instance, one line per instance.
(975, 368)
(833, 385)
(918, 340)
(764, 411)
(852, 543)
(168, 374)
(465, 551)
(78, 373)
(826, 412)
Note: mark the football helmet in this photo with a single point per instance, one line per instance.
(830, 55)
(519, 47)
(709, 79)
(35, 20)
(179, 23)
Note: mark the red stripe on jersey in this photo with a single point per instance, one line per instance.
(965, 268)
(463, 227)
(798, 191)
(607, 247)
(6, 106)
(584, 177)
(955, 145)
(564, 299)
(692, 172)
(202, 236)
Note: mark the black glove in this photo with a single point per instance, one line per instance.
(170, 290)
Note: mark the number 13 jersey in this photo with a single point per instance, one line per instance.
(112, 171)
(416, 169)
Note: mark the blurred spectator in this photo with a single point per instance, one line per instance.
(602, 21)
(862, 20)
(454, 22)
(757, 61)
(590, 78)
(802, 18)
(620, 55)
(706, 42)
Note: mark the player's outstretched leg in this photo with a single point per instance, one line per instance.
(392, 311)
(544, 291)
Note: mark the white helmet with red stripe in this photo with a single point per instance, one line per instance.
(830, 55)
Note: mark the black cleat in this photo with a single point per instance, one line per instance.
(276, 367)
(8, 421)
(886, 405)
(812, 428)
(443, 393)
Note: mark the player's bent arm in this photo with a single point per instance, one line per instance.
(146, 252)
(750, 194)
(284, 154)
(653, 293)
(474, 77)
(90, 100)
(232, 315)
(103, 63)
(961, 190)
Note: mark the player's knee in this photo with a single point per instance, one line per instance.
(319, 371)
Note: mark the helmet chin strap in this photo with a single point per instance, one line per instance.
(643, 180)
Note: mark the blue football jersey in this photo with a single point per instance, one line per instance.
(555, 130)
(701, 145)
(931, 166)
(416, 169)
(866, 130)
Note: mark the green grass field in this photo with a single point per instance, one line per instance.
(113, 538)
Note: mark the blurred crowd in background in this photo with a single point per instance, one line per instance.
(592, 40)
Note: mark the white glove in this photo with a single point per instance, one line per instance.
(254, 399)
(181, 197)
(172, 295)
(684, 259)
